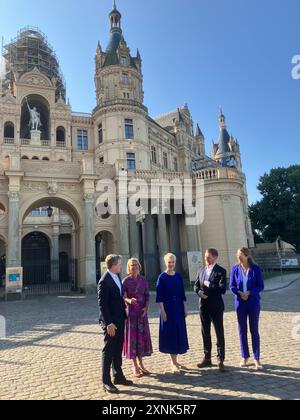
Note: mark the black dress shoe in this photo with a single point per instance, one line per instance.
(205, 364)
(123, 381)
(110, 389)
(222, 367)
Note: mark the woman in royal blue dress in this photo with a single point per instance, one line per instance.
(171, 298)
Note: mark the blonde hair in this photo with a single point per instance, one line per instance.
(169, 256)
(132, 260)
(248, 255)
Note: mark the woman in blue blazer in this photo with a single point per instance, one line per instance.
(246, 282)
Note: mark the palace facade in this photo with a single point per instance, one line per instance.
(49, 223)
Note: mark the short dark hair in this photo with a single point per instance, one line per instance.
(214, 252)
(112, 260)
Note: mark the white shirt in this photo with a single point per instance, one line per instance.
(208, 271)
(116, 280)
(245, 281)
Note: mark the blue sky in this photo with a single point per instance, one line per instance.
(210, 53)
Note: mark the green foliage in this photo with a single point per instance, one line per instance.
(278, 212)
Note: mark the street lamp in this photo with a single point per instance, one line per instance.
(50, 212)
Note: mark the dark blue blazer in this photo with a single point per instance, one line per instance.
(111, 303)
(255, 284)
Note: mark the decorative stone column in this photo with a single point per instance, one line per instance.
(74, 260)
(175, 240)
(14, 175)
(134, 238)
(90, 250)
(13, 247)
(88, 179)
(163, 240)
(123, 239)
(151, 260)
(192, 238)
(55, 255)
(73, 245)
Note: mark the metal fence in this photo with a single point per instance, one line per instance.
(49, 277)
(276, 263)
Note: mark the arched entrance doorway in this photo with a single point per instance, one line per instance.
(36, 261)
(50, 250)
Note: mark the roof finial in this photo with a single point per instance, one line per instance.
(114, 5)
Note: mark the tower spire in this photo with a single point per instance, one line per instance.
(222, 119)
(115, 18)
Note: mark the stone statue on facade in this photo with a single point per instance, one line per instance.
(35, 118)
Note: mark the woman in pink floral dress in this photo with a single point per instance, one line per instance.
(137, 343)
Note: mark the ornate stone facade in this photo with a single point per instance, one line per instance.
(76, 151)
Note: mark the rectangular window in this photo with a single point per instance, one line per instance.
(43, 211)
(125, 78)
(165, 160)
(131, 161)
(154, 155)
(82, 140)
(129, 133)
(100, 133)
(101, 160)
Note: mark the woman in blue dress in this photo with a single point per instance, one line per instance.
(171, 298)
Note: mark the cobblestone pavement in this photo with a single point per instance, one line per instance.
(53, 351)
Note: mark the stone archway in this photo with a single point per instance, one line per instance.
(63, 221)
(36, 261)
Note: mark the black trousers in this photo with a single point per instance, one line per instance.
(112, 355)
(213, 314)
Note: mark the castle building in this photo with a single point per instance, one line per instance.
(52, 159)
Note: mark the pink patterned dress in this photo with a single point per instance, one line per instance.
(137, 341)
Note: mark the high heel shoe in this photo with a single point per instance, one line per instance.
(244, 363)
(145, 371)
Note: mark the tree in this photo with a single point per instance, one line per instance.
(278, 212)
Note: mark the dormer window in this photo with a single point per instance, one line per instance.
(123, 61)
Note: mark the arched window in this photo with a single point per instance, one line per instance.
(35, 158)
(46, 159)
(9, 130)
(60, 136)
(25, 158)
(2, 209)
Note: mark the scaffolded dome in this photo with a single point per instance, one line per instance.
(28, 51)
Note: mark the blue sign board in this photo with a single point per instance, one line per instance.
(14, 278)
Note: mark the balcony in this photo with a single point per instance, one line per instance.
(61, 144)
(8, 141)
(25, 142)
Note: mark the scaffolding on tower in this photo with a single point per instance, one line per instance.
(29, 50)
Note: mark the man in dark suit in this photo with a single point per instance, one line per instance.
(112, 320)
(211, 284)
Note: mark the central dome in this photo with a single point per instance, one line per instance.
(28, 51)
